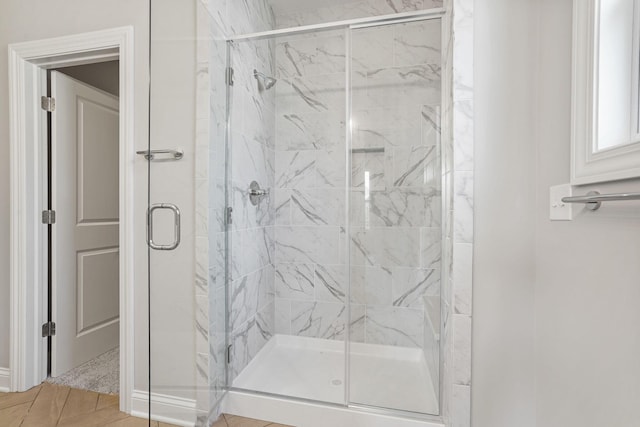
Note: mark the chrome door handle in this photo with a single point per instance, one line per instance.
(176, 219)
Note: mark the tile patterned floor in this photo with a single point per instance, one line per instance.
(51, 405)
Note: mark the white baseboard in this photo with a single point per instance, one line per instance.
(5, 380)
(167, 409)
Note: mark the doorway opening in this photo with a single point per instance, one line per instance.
(29, 64)
(83, 250)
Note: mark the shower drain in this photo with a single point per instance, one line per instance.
(336, 382)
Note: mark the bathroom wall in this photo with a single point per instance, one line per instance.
(503, 393)
(587, 297)
(293, 14)
(31, 20)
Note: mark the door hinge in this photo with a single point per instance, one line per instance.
(48, 329)
(229, 76)
(47, 103)
(229, 215)
(49, 217)
(229, 354)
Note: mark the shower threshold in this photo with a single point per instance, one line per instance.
(310, 368)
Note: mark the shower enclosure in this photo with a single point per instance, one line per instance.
(322, 209)
(334, 275)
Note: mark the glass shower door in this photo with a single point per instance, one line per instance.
(286, 182)
(179, 377)
(395, 216)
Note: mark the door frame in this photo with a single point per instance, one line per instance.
(28, 65)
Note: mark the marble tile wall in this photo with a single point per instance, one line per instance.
(311, 264)
(396, 199)
(460, 237)
(302, 15)
(251, 303)
(251, 157)
(395, 213)
(306, 141)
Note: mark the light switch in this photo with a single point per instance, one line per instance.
(559, 210)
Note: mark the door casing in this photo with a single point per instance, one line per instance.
(28, 63)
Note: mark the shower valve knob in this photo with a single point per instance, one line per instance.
(256, 193)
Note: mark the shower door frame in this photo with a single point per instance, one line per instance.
(347, 26)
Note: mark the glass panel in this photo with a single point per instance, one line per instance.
(178, 346)
(288, 285)
(395, 216)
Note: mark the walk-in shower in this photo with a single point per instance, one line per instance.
(323, 210)
(333, 282)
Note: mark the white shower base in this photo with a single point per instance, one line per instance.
(310, 368)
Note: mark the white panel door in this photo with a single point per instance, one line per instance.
(84, 192)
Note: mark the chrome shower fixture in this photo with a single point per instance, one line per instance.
(266, 81)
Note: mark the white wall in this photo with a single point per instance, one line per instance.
(173, 113)
(24, 20)
(504, 257)
(173, 124)
(588, 270)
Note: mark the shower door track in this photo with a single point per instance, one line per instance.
(435, 13)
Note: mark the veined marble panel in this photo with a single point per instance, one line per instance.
(318, 319)
(330, 167)
(252, 249)
(462, 276)
(282, 206)
(295, 281)
(311, 54)
(295, 169)
(246, 16)
(369, 170)
(397, 207)
(394, 326)
(431, 125)
(385, 246)
(415, 166)
(310, 130)
(382, 119)
(397, 88)
(318, 207)
(357, 324)
(462, 346)
(249, 294)
(430, 247)
(371, 285)
(299, 244)
(463, 150)
(411, 285)
(377, 135)
(463, 207)
(331, 283)
(417, 42)
(283, 316)
(311, 94)
(372, 48)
